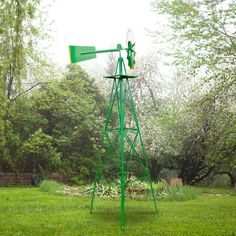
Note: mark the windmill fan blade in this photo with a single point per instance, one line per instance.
(129, 35)
(131, 55)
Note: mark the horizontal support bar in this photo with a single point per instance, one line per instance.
(131, 130)
(126, 129)
(101, 51)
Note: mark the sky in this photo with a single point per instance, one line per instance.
(100, 23)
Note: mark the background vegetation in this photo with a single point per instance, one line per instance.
(53, 119)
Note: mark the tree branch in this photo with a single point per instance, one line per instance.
(27, 90)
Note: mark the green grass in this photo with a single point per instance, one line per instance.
(223, 191)
(182, 193)
(50, 186)
(29, 211)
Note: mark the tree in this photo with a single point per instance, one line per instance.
(203, 36)
(221, 144)
(156, 113)
(72, 110)
(19, 32)
(19, 35)
(204, 42)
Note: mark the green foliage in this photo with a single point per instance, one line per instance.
(111, 190)
(20, 58)
(77, 181)
(55, 126)
(220, 181)
(161, 189)
(39, 149)
(51, 186)
(203, 50)
(71, 108)
(141, 189)
(19, 36)
(204, 35)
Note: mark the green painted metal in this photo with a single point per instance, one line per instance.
(117, 49)
(79, 53)
(122, 146)
(83, 53)
(127, 138)
(131, 55)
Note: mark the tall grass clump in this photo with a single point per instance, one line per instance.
(181, 193)
(51, 186)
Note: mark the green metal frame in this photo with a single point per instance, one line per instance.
(121, 93)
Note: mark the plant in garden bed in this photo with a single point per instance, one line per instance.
(141, 189)
(137, 190)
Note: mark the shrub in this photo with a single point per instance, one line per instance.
(77, 181)
(220, 181)
(51, 186)
(38, 148)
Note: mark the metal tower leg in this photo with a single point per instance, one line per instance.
(98, 166)
(142, 145)
(122, 147)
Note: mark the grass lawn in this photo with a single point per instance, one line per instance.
(28, 211)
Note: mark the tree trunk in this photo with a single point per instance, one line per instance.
(232, 180)
(154, 169)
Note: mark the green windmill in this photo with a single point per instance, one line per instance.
(124, 135)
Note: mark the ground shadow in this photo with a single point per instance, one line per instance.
(133, 215)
